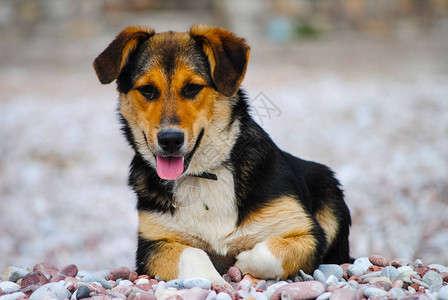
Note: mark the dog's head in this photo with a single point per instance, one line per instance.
(175, 92)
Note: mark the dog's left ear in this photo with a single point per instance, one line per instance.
(111, 61)
(227, 54)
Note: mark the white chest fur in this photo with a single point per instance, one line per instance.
(205, 209)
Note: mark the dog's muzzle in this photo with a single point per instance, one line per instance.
(170, 162)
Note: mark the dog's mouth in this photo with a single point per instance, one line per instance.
(171, 167)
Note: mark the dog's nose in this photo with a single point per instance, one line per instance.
(170, 140)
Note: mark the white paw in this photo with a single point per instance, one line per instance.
(260, 262)
(195, 262)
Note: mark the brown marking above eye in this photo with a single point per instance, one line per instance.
(191, 90)
(149, 91)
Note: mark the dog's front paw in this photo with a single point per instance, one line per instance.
(196, 263)
(260, 262)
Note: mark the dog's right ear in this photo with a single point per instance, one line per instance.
(111, 61)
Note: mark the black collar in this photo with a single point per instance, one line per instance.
(206, 175)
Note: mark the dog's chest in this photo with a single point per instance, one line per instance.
(206, 209)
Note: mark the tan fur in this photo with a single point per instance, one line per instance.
(327, 220)
(164, 262)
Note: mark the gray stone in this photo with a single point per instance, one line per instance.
(223, 296)
(15, 273)
(319, 276)
(438, 267)
(443, 293)
(54, 290)
(324, 296)
(363, 262)
(355, 270)
(397, 293)
(305, 276)
(390, 272)
(82, 292)
(433, 279)
(373, 291)
(406, 276)
(97, 278)
(332, 280)
(331, 269)
(14, 296)
(9, 287)
(175, 283)
(197, 282)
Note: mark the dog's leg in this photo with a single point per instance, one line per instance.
(278, 257)
(171, 260)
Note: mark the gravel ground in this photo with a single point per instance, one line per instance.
(373, 278)
(375, 110)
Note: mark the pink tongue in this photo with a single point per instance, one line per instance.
(170, 168)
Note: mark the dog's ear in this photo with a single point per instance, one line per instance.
(111, 61)
(227, 54)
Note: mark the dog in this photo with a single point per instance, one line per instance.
(213, 189)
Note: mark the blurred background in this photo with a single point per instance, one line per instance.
(359, 85)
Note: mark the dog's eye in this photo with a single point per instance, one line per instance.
(191, 90)
(149, 91)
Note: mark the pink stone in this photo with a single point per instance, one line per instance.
(32, 281)
(195, 293)
(343, 294)
(244, 285)
(234, 274)
(122, 272)
(69, 271)
(133, 276)
(174, 297)
(47, 269)
(144, 287)
(378, 260)
(254, 281)
(299, 290)
(122, 289)
(145, 296)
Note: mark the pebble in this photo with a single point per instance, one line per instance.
(126, 282)
(9, 287)
(374, 291)
(235, 274)
(363, 262)
(122, 273)
(355, 270)
(443, 293)
(390, 272)
(406, 276)
(53, 289)
(175, 283)
(82, 292)
(319, 276)
(223, 296)
(49, 270)
(331, 269)
(14, 296)
(332, 281)
(440, 268)
(324, 296)
(378, 260)
(433, 279)
(15, 273)
(197, 282)
(299, 290)
(397, 293)
(343, 294)
(97, 278)
(368, 277)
